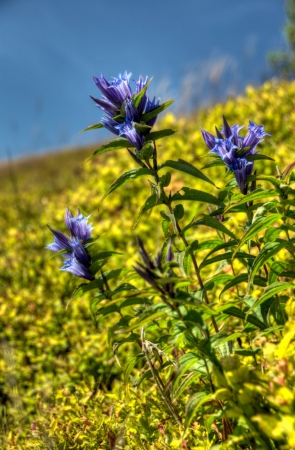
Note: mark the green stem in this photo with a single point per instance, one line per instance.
(157, 381)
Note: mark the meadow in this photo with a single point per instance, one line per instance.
(61, 384)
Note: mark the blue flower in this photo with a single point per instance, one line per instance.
(117, 99)
(128, 131)
(73, 266)
(78, 226)
(60, 241)
(115, 91)
(151, 104)
(234, 149)
(77, 260)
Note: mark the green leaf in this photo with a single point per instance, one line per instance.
(134, 301)
(227, 256)
(236, 312)
(221, 246)
(256, 195)
(193, 405)
(214, 163)
(103, 255)
(155, 135)
(271, 179)
(85, 287)
(276, 269)
(195, 195)
(142, 128)
(247, 352)
(217, 280)
(187, 259)
(151, 313)
(184, 383)
(185, 167)
(269, 250)
(260, 224)
(210, 243)
(272, 290)
(243, 277)
(92, 127)
(152, 201)
(116, 144)
(154, 112)
(271, 234)
(211, 222)
(107, 310)
(132, 174)
(138, 97)
(257, 157)
(130, 366)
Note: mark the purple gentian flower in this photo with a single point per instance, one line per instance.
(73, 266)
(79, 251)
(78, 226)
(132, 114)
(117, 90)
(128, 131)
(77, 260)
(234, 149)
(110, 125)
(152, 104)
(60, 241)
(241, 169)
(117, 100)
(106, 106)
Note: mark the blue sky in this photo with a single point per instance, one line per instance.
(49, 49)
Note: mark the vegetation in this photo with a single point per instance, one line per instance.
(283, 62)
(65, 384)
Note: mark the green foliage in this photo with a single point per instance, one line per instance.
(283, 62)
(201, 357)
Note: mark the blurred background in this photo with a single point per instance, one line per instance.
(198, 52)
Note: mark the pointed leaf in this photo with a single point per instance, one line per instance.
(116, 144)
(154, 112)
(269, 250)
(195, 195)
(288, 169)
(256, 195)
(193, 405)
(214, 163)
(272, 290)
(183, 166)
(272, 180)
(227, 256)
(138, 97)
(85, 287)
(92, 127)
(241, 278)
(103, 255)
(257, 157)
(212, 223)
(276, 269)
(132, 174)
(155, 135)
(152, 201)
(256, 227)
(236, 312)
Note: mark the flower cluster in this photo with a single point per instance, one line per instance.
(77, 261)
(152, 271)
(234, 149)
(117, 103)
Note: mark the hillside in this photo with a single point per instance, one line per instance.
(56, 366)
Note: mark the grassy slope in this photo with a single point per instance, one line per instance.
(45, 346)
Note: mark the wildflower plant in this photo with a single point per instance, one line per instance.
(199, 309)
